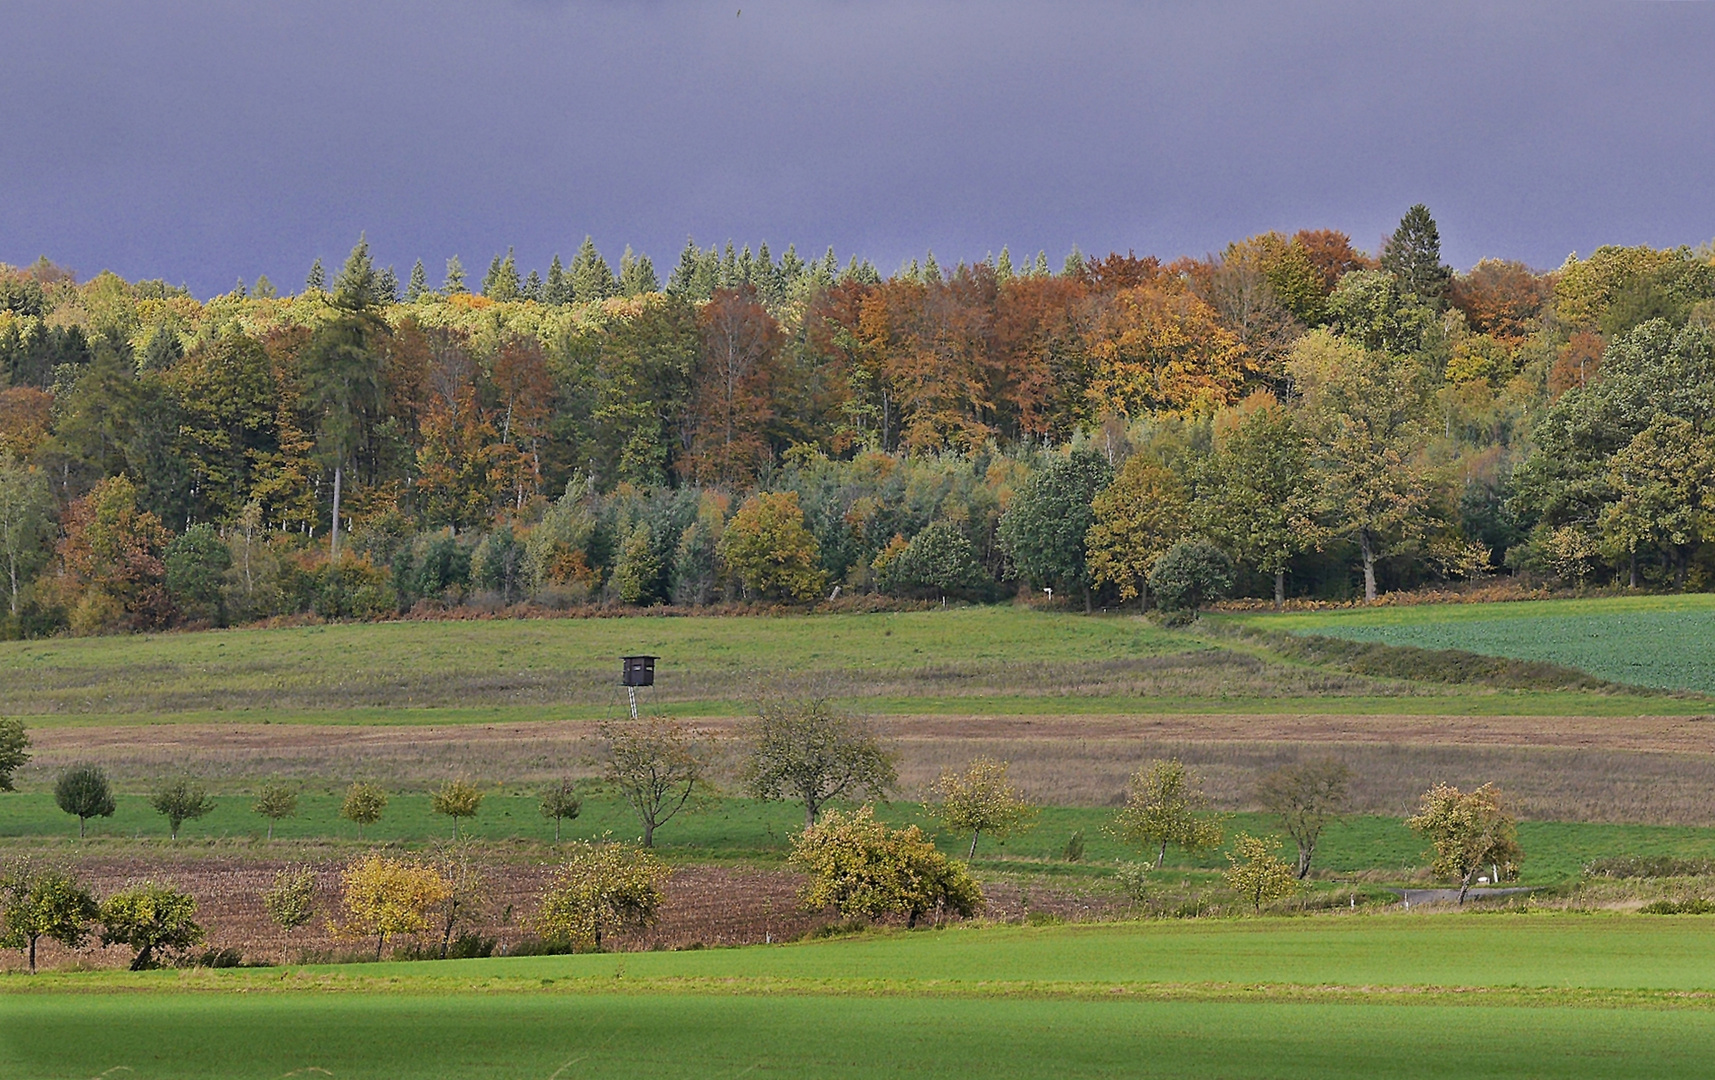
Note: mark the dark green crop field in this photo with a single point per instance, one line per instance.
(1659, 641)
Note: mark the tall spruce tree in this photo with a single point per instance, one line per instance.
(558, 289)
(455, 277)
(591, 277)
(418, 285)
(318, 278)
(1413, 255)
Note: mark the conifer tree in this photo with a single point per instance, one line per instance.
(682, 282)
(387, 286)
(532, 287)
(455, 277)
(418, 285)
(557, 290)
(1074, 266)
(318, 279)
(240, 290)
(1003, 268)
(264, 289)
(931, 269)
(591, 277)
(1040, 269)
(1413, 255)
(501, 281)
(164, 349)
(637, 275)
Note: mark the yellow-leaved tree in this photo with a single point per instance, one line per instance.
(770, 551)
(600, 889)
(382, 898)
(1137, 518)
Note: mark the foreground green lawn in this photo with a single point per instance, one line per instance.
(472, 1037)
(1365, 996)
(1659, 641)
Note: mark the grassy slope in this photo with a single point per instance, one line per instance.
(983, 660)
(1072, 1001)
(730, 829)
(1660, 641)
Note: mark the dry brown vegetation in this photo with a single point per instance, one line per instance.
(1640, 769)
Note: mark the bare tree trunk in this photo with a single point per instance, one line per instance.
(1634, 579)
(338, 475)
(1279, 588)
(1161, 855)
(1369, 553)
(973, 852)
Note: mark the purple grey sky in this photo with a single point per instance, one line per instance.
(201, 141)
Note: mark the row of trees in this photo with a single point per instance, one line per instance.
(1334, 421)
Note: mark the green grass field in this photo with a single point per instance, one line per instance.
(995, 660)
(1364, 996)
(745, 830)
(1659, 641)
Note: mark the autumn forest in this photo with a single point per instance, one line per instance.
(1290, 417)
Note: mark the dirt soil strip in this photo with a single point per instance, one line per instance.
(704, 906)
(1671, 734)
(1648, 769)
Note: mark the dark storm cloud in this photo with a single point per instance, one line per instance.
(202, 141)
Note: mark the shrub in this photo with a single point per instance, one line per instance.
(151, 919)
(1695, 906)
(1190, 574)
(863, 869)
(600, 889)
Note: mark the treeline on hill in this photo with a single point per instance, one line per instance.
(1290, 417)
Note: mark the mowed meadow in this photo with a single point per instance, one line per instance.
(1343, 997)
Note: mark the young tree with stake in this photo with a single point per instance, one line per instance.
(180, 801)
(980, 799)
(457, 799)
(276, 802)
(363, 805)
(84, 792)
(1164, 805)
(561, 802)
(1257, 872)
(290, 900)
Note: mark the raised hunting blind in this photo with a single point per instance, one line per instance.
(636, 671)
